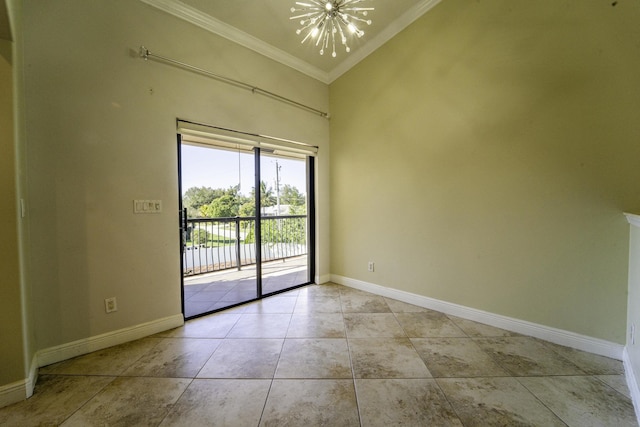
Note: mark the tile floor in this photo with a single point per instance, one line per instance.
(334, 356)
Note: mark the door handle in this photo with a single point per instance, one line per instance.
(184, 219)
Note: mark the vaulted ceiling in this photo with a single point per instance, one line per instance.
(264, 26)
(5, 27)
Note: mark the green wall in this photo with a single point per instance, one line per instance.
(100, 131)
(484, 157)
(12, 355)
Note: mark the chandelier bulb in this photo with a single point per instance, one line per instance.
(328, 22)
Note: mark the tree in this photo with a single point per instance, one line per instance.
(248, 207)
(297, 210)
(201, 201)
(290, 230)
(290, 195)
(200, 236)
(195, 197)
(223, 207)
(266, 195)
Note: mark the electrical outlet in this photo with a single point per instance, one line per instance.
(110, 305)
(370, 266)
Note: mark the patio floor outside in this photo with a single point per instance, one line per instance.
(212, 291)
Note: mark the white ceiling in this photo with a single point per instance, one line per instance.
(264, 26)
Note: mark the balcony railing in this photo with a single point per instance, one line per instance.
(215, 244)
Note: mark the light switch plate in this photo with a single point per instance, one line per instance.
(147, 206)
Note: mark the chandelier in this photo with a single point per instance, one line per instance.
(326, 21)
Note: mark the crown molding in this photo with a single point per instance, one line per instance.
(387, 34)
(213, 25)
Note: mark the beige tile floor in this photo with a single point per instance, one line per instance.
(334, 356)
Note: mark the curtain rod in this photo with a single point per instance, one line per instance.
(146, 54)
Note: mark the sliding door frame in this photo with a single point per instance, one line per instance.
(311, 230)
(181, 222)
(258, 222)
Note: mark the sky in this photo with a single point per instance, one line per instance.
(208, 167)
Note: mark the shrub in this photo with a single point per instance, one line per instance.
(200, 236)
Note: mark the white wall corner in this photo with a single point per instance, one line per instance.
(33, 376)
(630, 372)
(633, 219)
(632, 383)
(546, 333)
(109, 339)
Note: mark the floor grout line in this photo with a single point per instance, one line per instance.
(344, 307)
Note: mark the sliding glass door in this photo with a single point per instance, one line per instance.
(284, 222)
(217, 228)
(238, 244)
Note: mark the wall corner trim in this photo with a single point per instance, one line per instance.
(19, 390)
(109, 339)
(557, 336)
(633, 219)
(631, 383)
(33, 376)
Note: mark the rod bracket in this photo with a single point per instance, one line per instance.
(144, 53)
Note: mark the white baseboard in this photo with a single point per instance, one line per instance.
(12, 393)
(632, 383)
(557, 336)
(23, 389)
(19, 390)
(33, 375)
(109, 339)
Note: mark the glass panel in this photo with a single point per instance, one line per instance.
(219, 262)
(283, 192)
